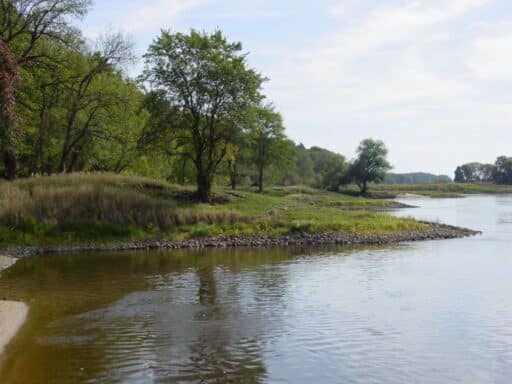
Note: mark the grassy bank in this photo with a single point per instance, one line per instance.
(103, 208)
(390, 191)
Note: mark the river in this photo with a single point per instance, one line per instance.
(428, 312)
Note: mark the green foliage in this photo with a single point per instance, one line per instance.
(206, 79)
(25, 29)
(474, 173)
(370, 165)
(319, 167)
(105, 207)
(502, 172)
(268, 142)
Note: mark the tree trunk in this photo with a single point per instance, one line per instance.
(260, 180)
(232, 174)
(204, 187)
(364, 188)
(233, 182)
(181, 172)
(10, 164)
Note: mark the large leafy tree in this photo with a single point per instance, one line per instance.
(206, 78)
(75, 111)
(24, 25)
(371, 164)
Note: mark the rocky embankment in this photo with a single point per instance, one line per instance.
(432, 232)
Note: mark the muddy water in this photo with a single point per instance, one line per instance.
(427, 312)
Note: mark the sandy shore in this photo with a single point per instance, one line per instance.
(12, 317)
(12, 313)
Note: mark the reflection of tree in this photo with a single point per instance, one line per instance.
(207, 288)
(221, 351)
(198, 316)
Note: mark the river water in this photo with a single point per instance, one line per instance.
(429, 312)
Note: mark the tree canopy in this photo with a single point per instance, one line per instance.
(207, 80)
(500, 172)
(371, 164)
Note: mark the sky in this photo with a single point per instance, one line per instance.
(432, 78)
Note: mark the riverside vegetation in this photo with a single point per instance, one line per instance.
(156, 153)
(104, 207)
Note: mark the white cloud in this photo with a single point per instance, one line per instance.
(492, 54)
(338, 10)
(397, 74)
(157, 13)
(386, 26)
(134, 18)
(248, 14)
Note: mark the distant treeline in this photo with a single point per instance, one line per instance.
(500, 172)
(416, 178)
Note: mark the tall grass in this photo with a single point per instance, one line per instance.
(55, 202)
(103, 207)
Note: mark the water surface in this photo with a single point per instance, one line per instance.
(429, 312)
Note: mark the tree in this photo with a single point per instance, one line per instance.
(304, 164)
(503, 170)
(207, 80)
(334, 173)
(236, 158)
(23, 25)
(267, 139)
(370, 165)
(474, 173)
(90, 97)
(81, 115)
(459, 175)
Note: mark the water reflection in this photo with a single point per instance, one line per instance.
(191, 316)
(427, 312)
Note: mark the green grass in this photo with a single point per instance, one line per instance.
(389, 191)
(105, 208)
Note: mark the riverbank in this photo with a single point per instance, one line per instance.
(65, 210)
(432, 231)
(12, 317)
(440, 190)
(12, 313)
(89, 213)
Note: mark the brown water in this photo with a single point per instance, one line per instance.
(430, 312)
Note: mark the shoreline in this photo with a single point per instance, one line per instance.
(435, 231)
(13, 314)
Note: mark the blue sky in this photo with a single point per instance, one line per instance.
(431, 78)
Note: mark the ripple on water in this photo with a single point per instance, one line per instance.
(423, 313)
